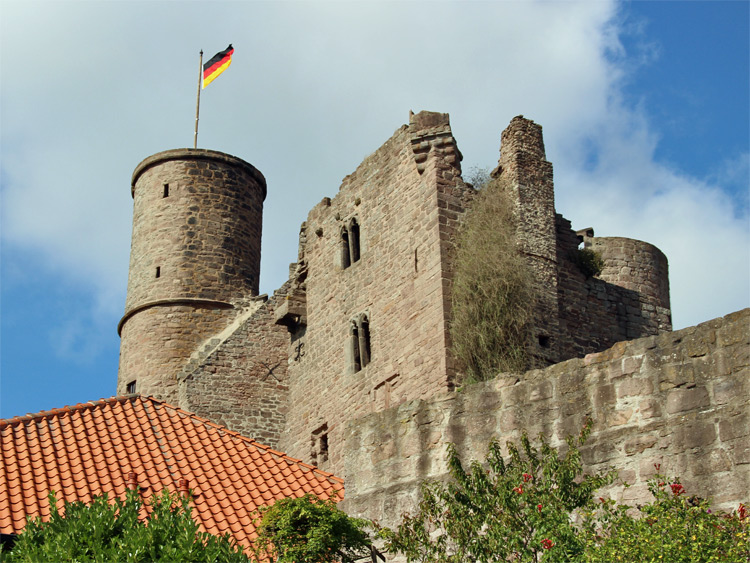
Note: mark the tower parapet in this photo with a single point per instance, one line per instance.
(195, 257)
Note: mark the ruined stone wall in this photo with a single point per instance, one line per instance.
(239, 378)
(629, 299)
(405, 198)
(195, 252)
(524, 172)
(639, 267)
(678, 399)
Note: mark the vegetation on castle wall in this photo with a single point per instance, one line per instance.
(589, 261)
(541, 506)
(492, 290)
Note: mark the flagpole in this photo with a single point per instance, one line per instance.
(198, 101)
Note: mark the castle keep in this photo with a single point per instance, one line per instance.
(361, 325)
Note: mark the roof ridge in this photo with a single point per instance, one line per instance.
(236, 434)
(66, 409)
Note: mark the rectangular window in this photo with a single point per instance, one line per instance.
(131, 388)
(319, 445)
(360, 342)
(166, 190)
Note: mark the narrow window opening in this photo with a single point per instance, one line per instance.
(416, 261)
(130, 389)
(166, 190)
(357, 361)
(158, 271)
(354, 240)
(360, 342)
(364, 341)
(324, 447)
(319, 445)
(345, 253)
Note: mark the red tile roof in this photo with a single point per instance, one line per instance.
(90, 448)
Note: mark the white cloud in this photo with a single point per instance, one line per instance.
(314, 88)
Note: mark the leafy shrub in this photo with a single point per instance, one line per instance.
(673, 527)
(102, 531)
(310, 530)
(539, 506)
(589, 261)
(493, 295)
(517, 510)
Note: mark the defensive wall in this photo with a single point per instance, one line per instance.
(678, 399)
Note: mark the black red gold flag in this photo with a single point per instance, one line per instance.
(216, 65)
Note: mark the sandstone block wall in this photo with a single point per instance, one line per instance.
(678, 399)
(240, 379)
(197, 219)
(406, 198)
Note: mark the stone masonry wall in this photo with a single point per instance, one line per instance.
(678, 399)
(240, 379)
(524, 172)
(405, 198)
(639, 267)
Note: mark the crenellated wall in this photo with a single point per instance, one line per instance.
(678, 399)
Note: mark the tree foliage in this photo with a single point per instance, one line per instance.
(492, 292)
(104, 531)
(310, 530)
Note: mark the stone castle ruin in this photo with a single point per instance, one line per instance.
(348, 364)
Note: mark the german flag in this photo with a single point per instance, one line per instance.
(218, 64)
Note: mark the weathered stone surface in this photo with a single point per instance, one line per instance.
(705, 442)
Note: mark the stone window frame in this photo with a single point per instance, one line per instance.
(131, 387)
(351, 250)
(360, 342)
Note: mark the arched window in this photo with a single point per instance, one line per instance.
(360, 342)
(354, 240)
(350, 244)
(346, 260)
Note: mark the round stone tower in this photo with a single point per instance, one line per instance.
(194, 259)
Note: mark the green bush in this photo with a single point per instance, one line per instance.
(672, 528)
(492, 296)
(310, 530)
(102, 531)
(517, 510)
(540, 506)
(589, 261)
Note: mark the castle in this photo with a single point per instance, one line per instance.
(327, 367)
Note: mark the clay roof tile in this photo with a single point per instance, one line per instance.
(88, 449)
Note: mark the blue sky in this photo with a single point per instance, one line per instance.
(644, 107)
